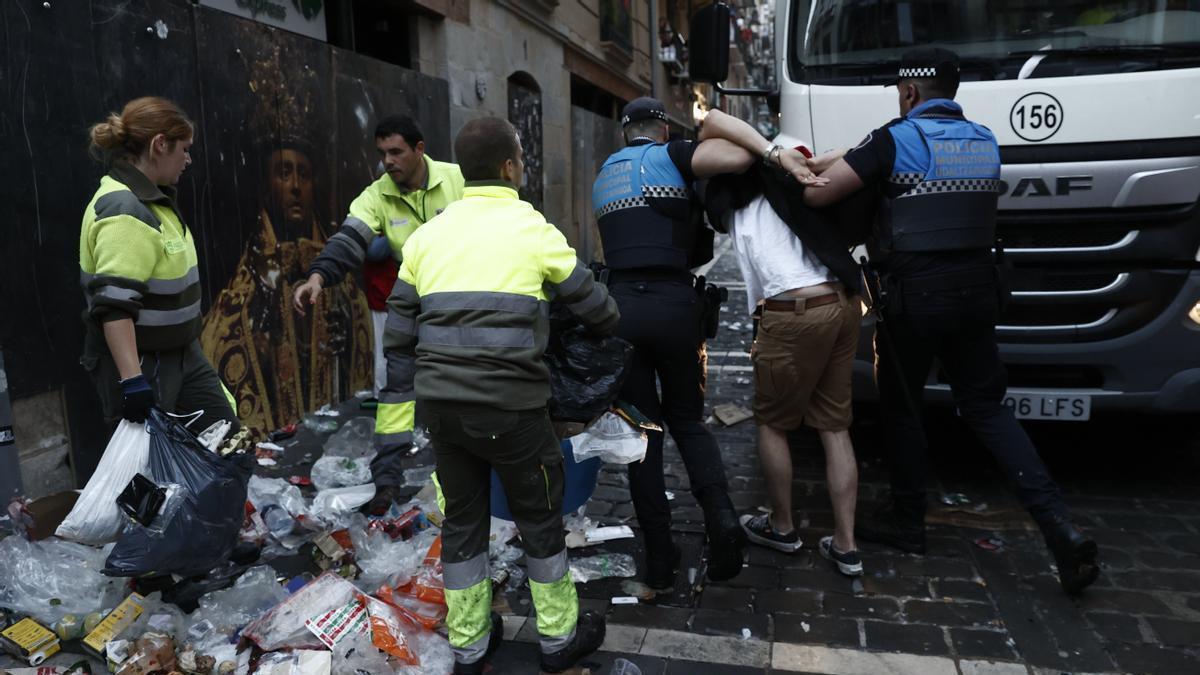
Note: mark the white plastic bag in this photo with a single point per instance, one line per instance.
(96, 518)
(612, 439)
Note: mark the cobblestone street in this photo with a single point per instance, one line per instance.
(1134, 484)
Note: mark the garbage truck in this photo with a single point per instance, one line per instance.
(1096, 107)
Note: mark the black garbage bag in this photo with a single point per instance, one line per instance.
(197, 528)
(586, 371)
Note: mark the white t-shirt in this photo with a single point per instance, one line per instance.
(771, 256)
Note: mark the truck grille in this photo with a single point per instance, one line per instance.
(1023, 237)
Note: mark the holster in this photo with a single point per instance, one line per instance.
(711, 298)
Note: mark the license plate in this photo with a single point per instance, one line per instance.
(1064, 408)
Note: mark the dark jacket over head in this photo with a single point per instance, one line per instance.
(828, 233)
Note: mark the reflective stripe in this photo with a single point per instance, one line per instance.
(174, 286)
(471, 336)
(117, 293)
(476, 650)
(552, 644)
(480, 300)
(594, 299)
(168, 317)
(547, 570)
(572, 283)
(400, 325)
(406, 291)
(953, 185)
(666, 192)
(360, 227)
(462, 575)
(392, 419)
(392, 440)
(620, 204)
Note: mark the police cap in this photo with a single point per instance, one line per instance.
(644, 108)
(933, 63)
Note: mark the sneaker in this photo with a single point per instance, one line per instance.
(493, 644)
(847, 562)
(589, 635)
(758, 530)
(888, 526)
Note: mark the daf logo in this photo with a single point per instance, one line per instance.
(1037, 186)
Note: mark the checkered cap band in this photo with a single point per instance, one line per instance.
(954, 185)
(619, 205)
(658, 114)
(918, 72)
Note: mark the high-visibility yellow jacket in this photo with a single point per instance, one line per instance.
(383, 208)
(137, 260)
(468, 317)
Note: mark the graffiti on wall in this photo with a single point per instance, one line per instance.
(525, 113)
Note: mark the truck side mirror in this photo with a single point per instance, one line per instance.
(708, 44)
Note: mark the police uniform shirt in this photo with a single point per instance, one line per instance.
(873, 161)
(681, 156)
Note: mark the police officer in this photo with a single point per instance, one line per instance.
(466, 331)
(414, 189)
(938, 174)
(643, 200)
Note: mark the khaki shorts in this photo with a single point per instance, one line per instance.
(803, 362)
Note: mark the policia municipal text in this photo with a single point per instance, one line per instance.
(414, 189)
(466, 330)
(137, 261)
(937, 174)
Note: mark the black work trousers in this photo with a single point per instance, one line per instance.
(183, 380)
(469, 440)
(663, 321)
(958, 328)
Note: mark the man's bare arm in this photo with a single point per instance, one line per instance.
(716, 156)
(718, 125)
(843, 182)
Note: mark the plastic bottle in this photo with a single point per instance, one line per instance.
(278, 521)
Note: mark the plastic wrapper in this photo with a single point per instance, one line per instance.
(382, 560)
(159, 617)
(299, 662)
(392, 629)
(283, 626)
(265, 491)
(586, 371)
(335, 505)
(358, 655)
(434, 653)
(356, 439)
(428, 614)
(602, 566)
(204, 530)
(427, 584)
(151, 653)
(96, 518)
(53, 578)
(612, 439)
(252, 595)
(335, 472)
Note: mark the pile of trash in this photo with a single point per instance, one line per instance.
(160, 565)
(163, 562)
